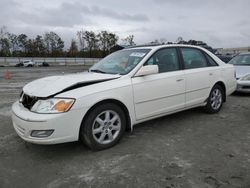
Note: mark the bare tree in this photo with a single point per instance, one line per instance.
(40, 49)
(163, 40)
(91, 41)
(4, 42)
(3, 32)
(73, 50)
(80, 36)
(129, 40)
(112, 40)
(13, 42)
(54, 44)
(103, 38)
(179, 40)
(22, 43)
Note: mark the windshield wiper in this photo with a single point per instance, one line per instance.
(98, 71)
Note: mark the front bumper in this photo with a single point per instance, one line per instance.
(66, 126)
(243, 86)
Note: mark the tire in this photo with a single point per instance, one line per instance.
(103, 127)
(215, 100)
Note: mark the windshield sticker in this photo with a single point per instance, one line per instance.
(137, 54)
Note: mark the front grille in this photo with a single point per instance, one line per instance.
(28, 101)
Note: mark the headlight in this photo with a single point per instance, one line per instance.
(54, 105)
(246, 78)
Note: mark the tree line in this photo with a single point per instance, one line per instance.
(50, 44)
(85, 44)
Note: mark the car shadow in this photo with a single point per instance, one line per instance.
(58, 148)
(76, 148)
(175, 117)
(239, 94)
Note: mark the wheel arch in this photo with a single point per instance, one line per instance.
(223, 86)
(114, 101)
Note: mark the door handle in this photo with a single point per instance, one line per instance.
(211, 74)
(179, 80)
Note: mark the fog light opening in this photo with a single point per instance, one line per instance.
(41, 133)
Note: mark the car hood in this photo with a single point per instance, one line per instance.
(242, 70)
(53, 85)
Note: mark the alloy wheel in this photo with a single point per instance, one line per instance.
(216, 99)
(106, 127)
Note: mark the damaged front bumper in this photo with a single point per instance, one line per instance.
(46, 128)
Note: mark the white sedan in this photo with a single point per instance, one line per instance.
(125, 88)
(29, 63)
(241, 63)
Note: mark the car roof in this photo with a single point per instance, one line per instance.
(162, 46)
(157, 47)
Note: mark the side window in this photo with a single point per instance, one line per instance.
(193, 58)
(166, 59)
(211, 62)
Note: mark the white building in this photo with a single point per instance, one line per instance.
(233, 50)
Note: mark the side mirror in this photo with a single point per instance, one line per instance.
(147, 70)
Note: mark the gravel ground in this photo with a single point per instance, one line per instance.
(190, 149)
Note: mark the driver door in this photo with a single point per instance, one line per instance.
(160, 93)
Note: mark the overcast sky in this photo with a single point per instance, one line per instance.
(220, 23)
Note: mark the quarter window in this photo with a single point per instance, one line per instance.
(193, 58)
(166, 59)
(211, 62)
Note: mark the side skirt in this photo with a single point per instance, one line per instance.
(168, 113)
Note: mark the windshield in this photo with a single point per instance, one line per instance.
(121, 62)
(241, 60)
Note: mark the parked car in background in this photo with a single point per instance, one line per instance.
(242, 65)
(32, 64)
(125, 88)
(225, 58)
(42, 64)
(19, 64)
(29, 63)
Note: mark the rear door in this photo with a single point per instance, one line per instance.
(197, 73)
